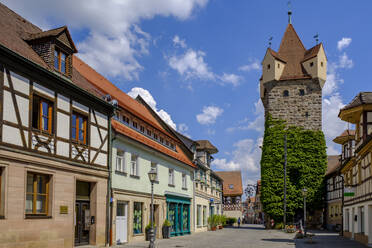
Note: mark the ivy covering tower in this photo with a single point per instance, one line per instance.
(291, 92)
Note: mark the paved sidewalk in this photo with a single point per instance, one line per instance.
(248, 236)
(323, 239)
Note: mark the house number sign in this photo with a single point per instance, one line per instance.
(63, 209)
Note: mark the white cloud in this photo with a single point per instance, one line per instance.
(209, 115)
(230, 78)
(149, 99)
(332, 125)
(254, 66)
(177, 41)
(191, 64)
(345, 62)
(183, 128)
(258, 124)
(114, 41)
(343, 43)
(245, 157)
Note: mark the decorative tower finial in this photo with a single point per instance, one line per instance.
(316, 37)
(270, 39)
(289, 13)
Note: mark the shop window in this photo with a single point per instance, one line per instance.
(204, 215)
(362, 220)
(120, 166)
(79, 128)
(184, 181)
(134, 165)
(137, 218)
(198, 216)
(42, 114)
(37, 195)
(171, 177)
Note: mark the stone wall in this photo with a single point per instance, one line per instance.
(298, 110)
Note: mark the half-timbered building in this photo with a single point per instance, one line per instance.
(333, 198)
(357, 170)
(54, 141)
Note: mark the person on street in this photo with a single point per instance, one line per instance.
(239, 222)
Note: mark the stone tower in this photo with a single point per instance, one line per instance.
(292, 81)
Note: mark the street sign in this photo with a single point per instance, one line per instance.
(349, 191)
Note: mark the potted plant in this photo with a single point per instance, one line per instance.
(212, 222)
(166, 229)
(147, 231)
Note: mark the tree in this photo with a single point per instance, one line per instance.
(306, 166)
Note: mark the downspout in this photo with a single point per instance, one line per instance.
(109, 193)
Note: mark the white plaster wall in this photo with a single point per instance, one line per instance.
(102, 119)
(101, 159)
(23, 106)
(92, 154)
(80, 107)
(63, 125)
(43, 90)
(95, 141)
(12, 135)
(9, 111)
(20, 83)
(63, 103)
(63, 148)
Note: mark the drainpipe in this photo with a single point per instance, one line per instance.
(109, 193)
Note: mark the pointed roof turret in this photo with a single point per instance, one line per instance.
(292, 51)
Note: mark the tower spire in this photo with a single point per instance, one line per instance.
(289, 13)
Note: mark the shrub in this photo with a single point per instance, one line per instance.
(167, 223)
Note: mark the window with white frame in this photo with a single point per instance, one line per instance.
(171, 177)
(134, 165)
(154, 166)
(184, 181)
(120, 166)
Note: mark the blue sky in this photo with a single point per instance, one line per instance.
(197, 62)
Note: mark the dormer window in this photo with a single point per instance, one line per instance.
(311, 64)
(278, 65)
(268, 66)
(60, 61)
(321, 64)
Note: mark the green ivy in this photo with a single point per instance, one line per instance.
(306, 166)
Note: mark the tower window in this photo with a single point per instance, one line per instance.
(311, 64)
(268, 66)
(285, 93)
(302, 92)
(278, 65)
(307, 114)
(321, 64)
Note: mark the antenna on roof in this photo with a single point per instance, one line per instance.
(316, 37)
(270, 39)
(289, 13)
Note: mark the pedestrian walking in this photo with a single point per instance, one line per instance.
(239, 222)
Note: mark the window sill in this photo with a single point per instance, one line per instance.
(38, 131)
(121, 173)
(32, 216)
(80, 143)
(171, 185)
(134, 176)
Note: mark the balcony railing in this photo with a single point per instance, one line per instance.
(232, 207)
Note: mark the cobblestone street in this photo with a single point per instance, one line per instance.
(250, 236)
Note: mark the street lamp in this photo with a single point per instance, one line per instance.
(304, 193)
(152, 176)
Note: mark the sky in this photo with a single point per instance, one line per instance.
(198, 62)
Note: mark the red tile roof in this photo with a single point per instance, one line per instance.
(127, 131)
(333, 164)
(234, 178)
(124, 100)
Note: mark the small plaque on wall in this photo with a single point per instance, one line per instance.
(63, 209)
